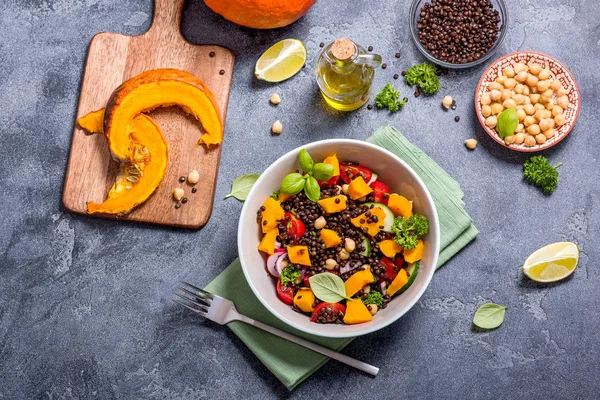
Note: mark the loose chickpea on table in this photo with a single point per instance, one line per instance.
(539, 100)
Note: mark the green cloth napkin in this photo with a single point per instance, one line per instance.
(291, 363)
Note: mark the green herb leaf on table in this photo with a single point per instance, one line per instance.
(388, 98)
(322, 171)
(425, 76)
(292, 184)
(489, 316)
(507, 122)
(289, 275)
(305, 160)
(328, 287)
(373, 298)
(541, 173)
(312, 189)
(241, 186)
(408, 231)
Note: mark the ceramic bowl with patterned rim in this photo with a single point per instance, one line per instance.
(557, 71)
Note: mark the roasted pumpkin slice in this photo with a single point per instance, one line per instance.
(92, 122)
(138, 178)
(160, 88)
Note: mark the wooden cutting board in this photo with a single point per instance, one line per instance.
(113, 58)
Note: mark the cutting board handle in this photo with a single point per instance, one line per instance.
(167, 18)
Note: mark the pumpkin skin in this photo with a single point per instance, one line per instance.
(159, 88)
(151, 160)
(261, 14)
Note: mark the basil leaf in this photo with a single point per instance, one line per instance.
(305, 160)
(489, 316)
(241, 186)
(292, 184)
(328, 287)
(507, 122)
(323, 172)
(312, 189)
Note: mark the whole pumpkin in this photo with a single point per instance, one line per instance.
(261, 14)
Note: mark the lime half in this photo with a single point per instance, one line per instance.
(553, 262)
(281, 61)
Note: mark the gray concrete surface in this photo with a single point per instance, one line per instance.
(85, 304)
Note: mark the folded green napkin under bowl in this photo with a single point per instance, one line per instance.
(292, 363)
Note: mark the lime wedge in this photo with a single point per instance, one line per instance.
(281, 61)
(553, 262)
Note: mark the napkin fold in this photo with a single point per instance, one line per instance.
(292, 363)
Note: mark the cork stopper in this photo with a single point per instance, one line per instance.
(343, 49)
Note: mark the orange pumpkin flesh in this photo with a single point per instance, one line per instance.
(261, 14)
(159, 88)
(92, 122)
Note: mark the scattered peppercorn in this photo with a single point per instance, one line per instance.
(405, 99)
(184, 200)
(370, 107)
(194, 190)
(222, 72)
(211, 54)
(383, 66)
(457, 118)
(403, 73)
(182, 179)
(178, 205)
(417, 93)
(396, 76)
(370, 48)
(398, 55)
(321, 44)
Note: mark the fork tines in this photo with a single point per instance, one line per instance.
(197, 300)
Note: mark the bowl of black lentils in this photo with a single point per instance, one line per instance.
(458, 34)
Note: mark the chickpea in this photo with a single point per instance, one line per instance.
(528, 121)
(492, 121)
(539, 115)
(533, 129)
(534, 98)
(509, 103)
(519, 138)
(486, 99)
(519, 88)
(535, 68)
(550, 104)
(501, 79)
(548, 93)
(486, 111)
(521, 115)
(532, 80)
(349, 245)
(561, 92)
(557, 110)
(526, 90)
(330, 264)
(529, 109)
(506, 94)
(556, 85)
(563, 101)
(519, 107)
(277, 127)
(559, 119)
(509, 139)
(544, 74)
(548, 114)
(521, 77)
(497, 108)
(545, 124)
(193, 177)
(343, 255)
(320, 222)
(373, 309)
(471, 144)
(529, 141)
(496, 95)
(542, 86)
(550, 133)
(367, 289)
(275, 99)
(510, 83)
(540, 138)
(539, 106)
(495, 86)
(519, 99)
(509, 72)
(345, 188)
(520, 128)
(518, 67)
(178, 193)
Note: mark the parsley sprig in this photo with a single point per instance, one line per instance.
(409, 230)
(541, 173)
(425, 76)
(388, 98)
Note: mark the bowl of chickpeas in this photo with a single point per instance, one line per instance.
(543, 92)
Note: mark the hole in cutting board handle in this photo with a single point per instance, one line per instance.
(167, 17)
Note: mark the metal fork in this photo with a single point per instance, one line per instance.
(222, 311)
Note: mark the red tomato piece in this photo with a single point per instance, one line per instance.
(285, 293)
(294, 226)
(399, 261)
(389, 267)
(335, 307)
(306, 282)
(381, 192)
(349, 172)
(331, 182)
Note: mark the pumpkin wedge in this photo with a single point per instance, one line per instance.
(92, 122)
(159, 88)
(140, 175)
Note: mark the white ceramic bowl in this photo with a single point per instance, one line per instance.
(396, 174)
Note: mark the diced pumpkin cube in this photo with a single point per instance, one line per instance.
(399, 281)
(267, 244)
(333, 161)
(283, 197)
(333, 204)
(304, 299)
(330, 238)
(358, 188)
(414, 255)
(358, 281)
(372, 228)
(356, 312)
(389, 248)
(271, 215)
(299, 255)
(400, 205)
